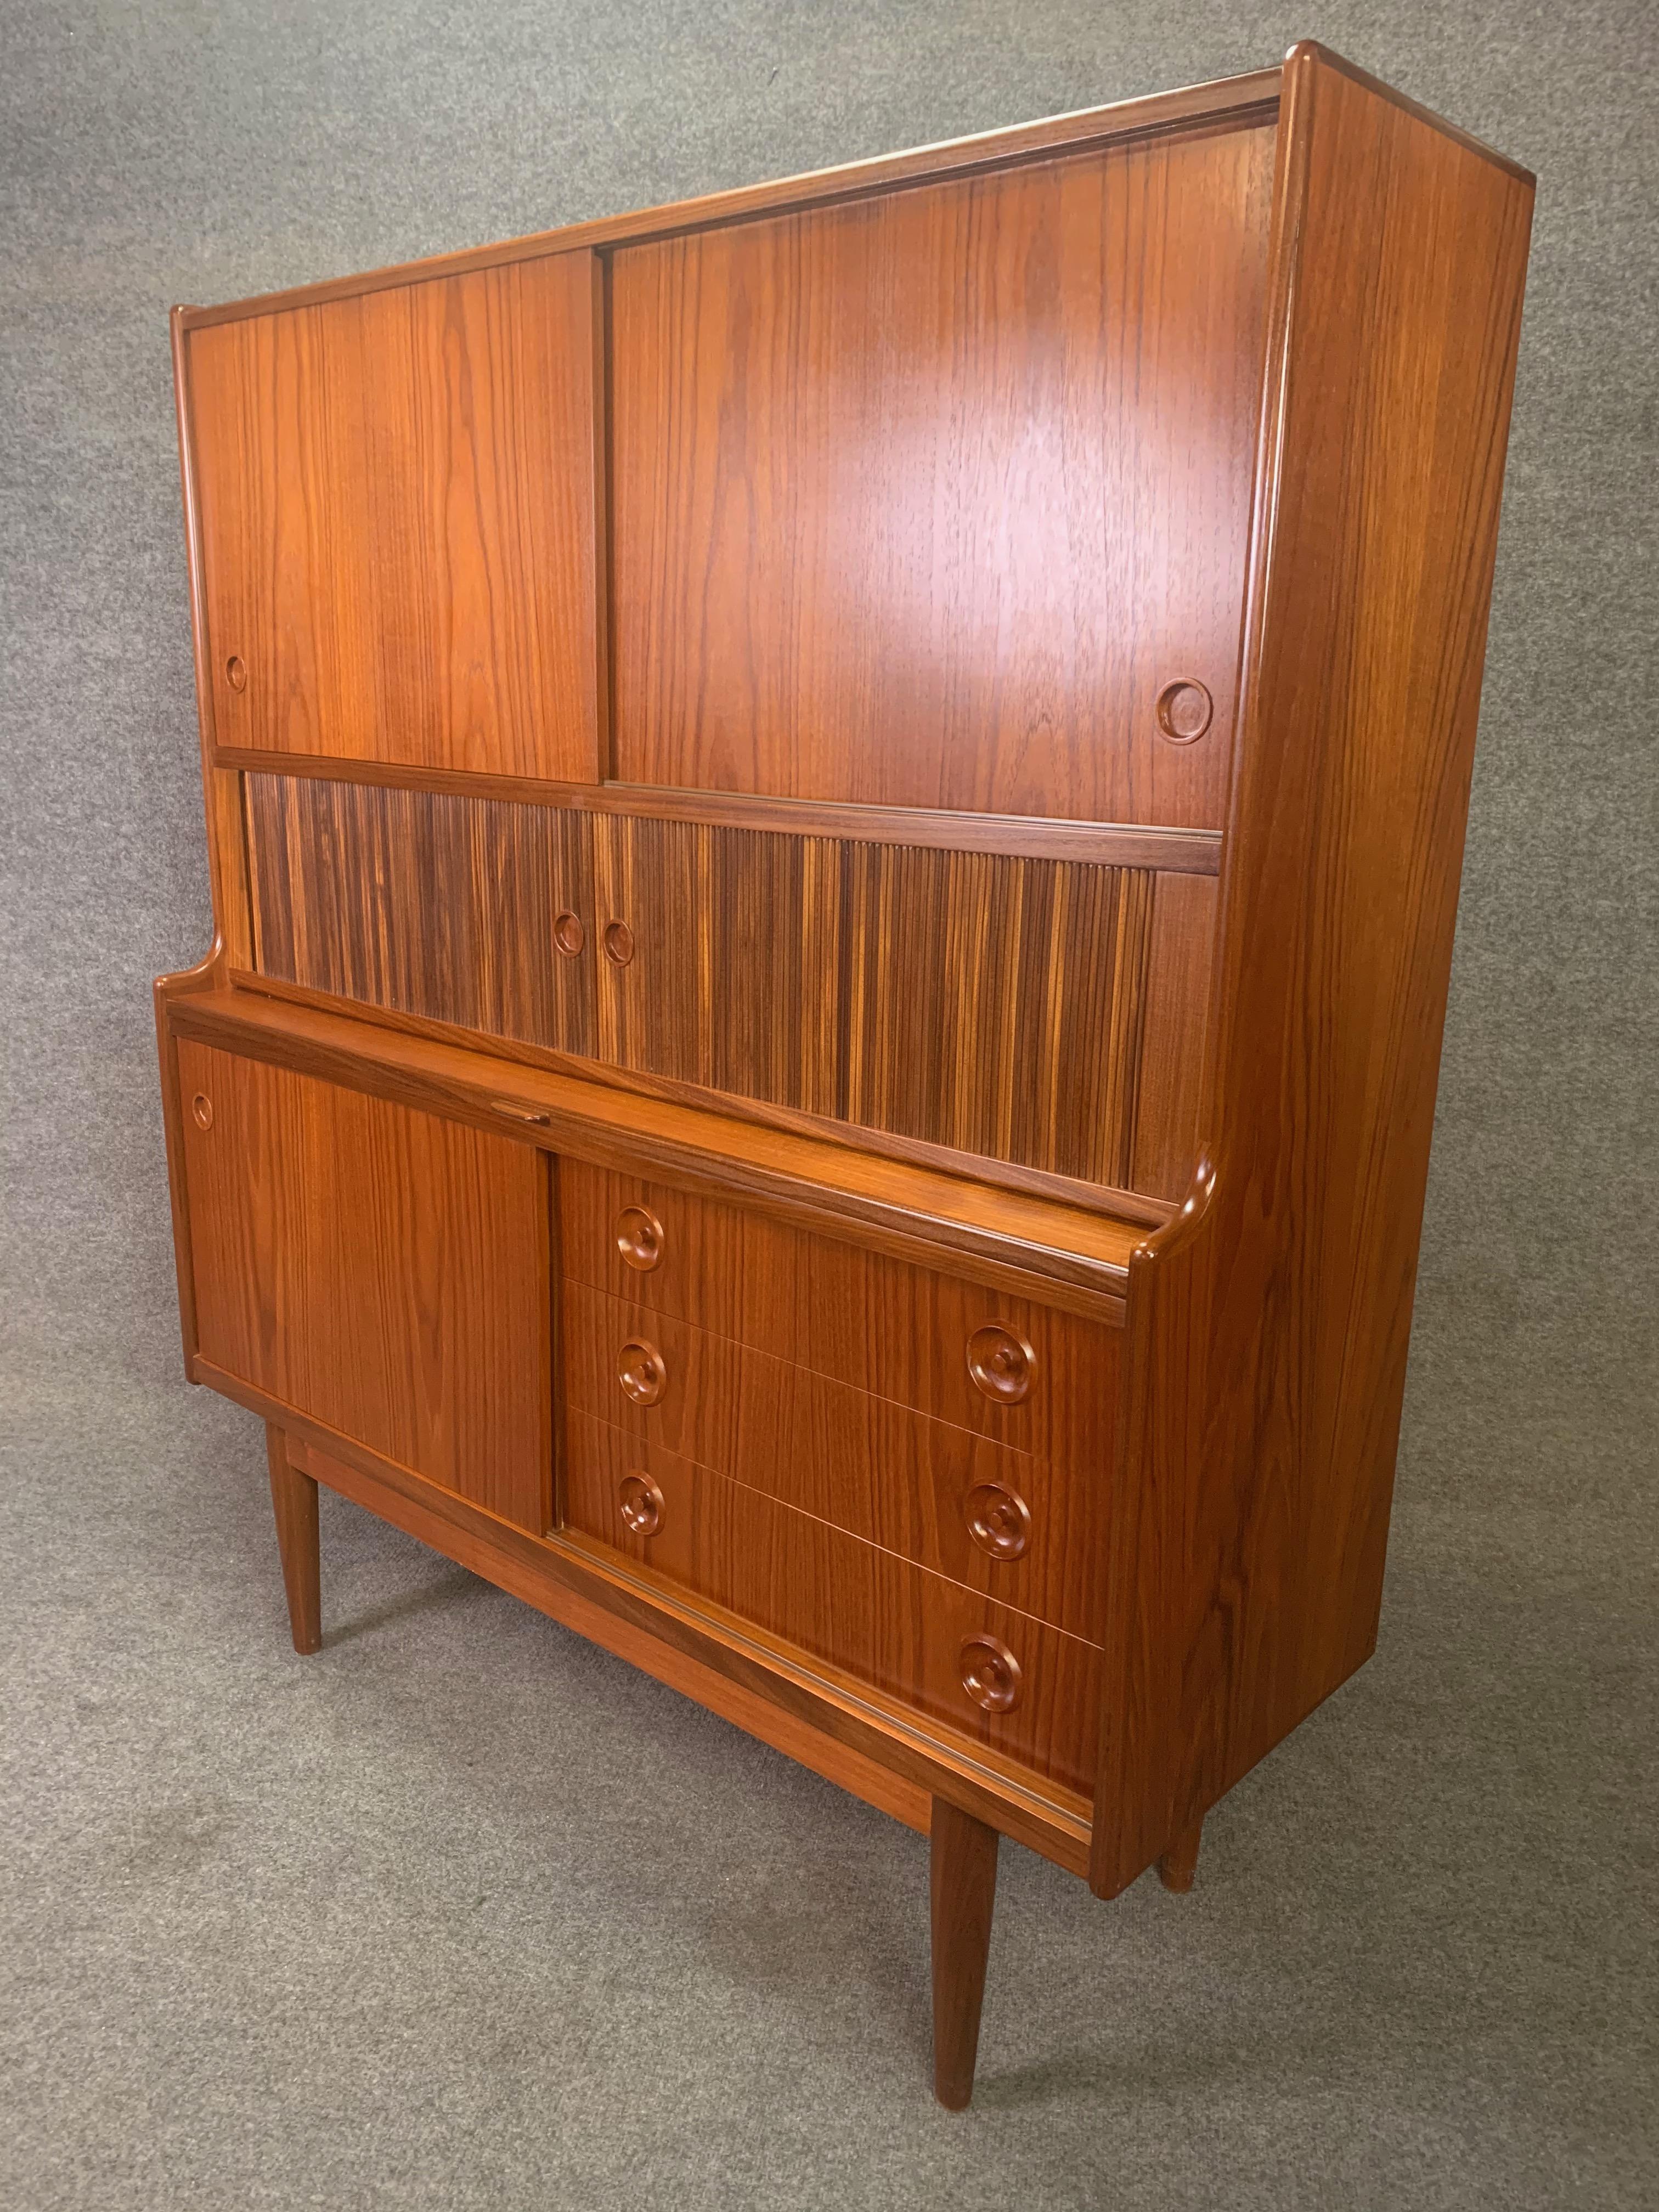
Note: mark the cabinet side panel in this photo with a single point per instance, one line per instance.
(922, 500)
(383, 1271)
(398, 523)
(1269, 1325)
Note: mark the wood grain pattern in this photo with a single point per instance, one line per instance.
(1107, 844)
(1170, 1074)
(382, 1270)
(983, 1003)
(924, 499)
(1178, 1866)
(963, 1888)
(1269, 1323)
(1071, 1258)
(859, 1317)
(990, 1004)
(441, 906)
(880, 1471)
(400, 523)
(854, 1605)
(294, 1502)
(221, 787)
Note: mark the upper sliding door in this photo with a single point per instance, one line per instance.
(929, 499)
(396, 492)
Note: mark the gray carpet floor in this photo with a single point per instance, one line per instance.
(462, 1912)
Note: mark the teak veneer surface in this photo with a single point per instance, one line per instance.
(399, 522)
(861, 1318)
(1269, 1323)
(843, 1600)
(896, 1477)
(1072, 1259)
(385, 1271)
(922, 500)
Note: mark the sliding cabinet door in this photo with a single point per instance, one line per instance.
(941, 497)
(397, 496)
(382, 1270)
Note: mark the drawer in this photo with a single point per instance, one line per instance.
(1024, 1689)
(1043, 1382)
(1001, 1521)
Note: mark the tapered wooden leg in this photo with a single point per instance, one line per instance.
(294, 1496)
(1179, 1863)
(964, 1889)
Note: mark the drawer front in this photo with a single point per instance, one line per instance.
(1024, 1689)
(1042, 1382)
(998, 1520)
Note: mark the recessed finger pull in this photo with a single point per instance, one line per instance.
(569, 935)
(619, 941)
(991, 1675)
(998, 1520)
(236, 673)
(201, 1109)
(641, 1372)
(1001, 1363)
(1185, 710)
(639, 1237)
(641, 1504)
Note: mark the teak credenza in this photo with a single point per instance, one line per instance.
(835, 816)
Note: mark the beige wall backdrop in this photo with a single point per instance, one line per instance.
(374, 1929)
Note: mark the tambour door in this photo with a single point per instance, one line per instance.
(396, 494)
(940, 497)
(383, 1271)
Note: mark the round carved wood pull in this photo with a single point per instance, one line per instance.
(1000, 1363)
(641, 1504)
(568, 935)
(641, 1372)
(998, 1520)
(991, 1673)
(639, 1237)
(201, 1107)
(619, 943)
(236, 673)
(1185, 710)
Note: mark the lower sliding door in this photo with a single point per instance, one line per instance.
(383, 1271)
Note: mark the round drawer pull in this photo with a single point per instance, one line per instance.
(639, 1237)
(991, 1673)
(998, 1520)
(201, 1107)
(619, 943)
(236, 673)
(641, 1504)
(1000, 1363)
(1184, 711)
(641, 1372)
(569, 935)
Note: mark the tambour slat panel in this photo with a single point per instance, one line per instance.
(426, 903)
(985, 1002)
(991, 1003)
